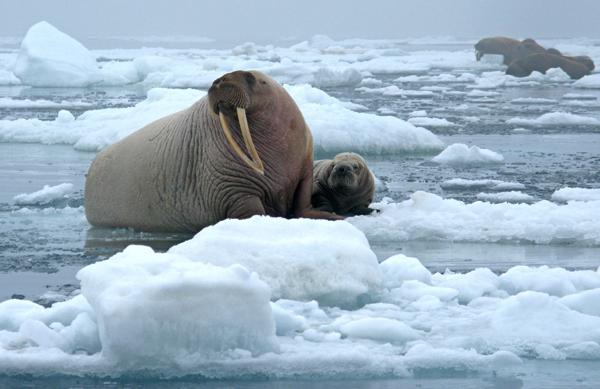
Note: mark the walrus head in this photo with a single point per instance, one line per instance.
(230, 96)
(346, 171)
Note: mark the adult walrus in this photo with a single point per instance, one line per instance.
(187, 171)
(500, 45)
(343, 185)
(541, 62)
(583, 59)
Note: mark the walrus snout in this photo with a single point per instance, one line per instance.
(231, 91)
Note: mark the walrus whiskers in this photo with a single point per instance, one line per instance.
(254, 162)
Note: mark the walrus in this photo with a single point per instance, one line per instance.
(187, 171)
(583, 59)
(541, 62)
(343, 185)
(507, 47)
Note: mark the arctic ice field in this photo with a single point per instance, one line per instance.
(481, 268)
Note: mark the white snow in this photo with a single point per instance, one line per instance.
(426, 216)
(462, 183)
(461, 154)
(576, 194)
(155, 308)
(430, 122)
(335, 126)
(591, 81)
(45, 195)
(510, 196)
(556, 119)
(49, 57)
(380, 329)
(299, 259)
(400, 268)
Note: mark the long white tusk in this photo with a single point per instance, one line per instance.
(254, 162)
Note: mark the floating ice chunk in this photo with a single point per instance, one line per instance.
(399, 268)
(462, 183)
(587, 302)
(510, 197)
(554, 281)
(154, 308)
(325, 77)
(533, 101)
(419, 113)
(556, 119)
(414, 290)
(461, 154)
(45, 195)
(471, 285)
(336, 128)
(8, 78)
(286, 322)
(430, 122)
(518, 320)
(7, 102)
(576, 194)
(380, 329)
(591, 81)
(49, 57)
(426, 216)
(393, 90)
(482, 93)
(300, 259)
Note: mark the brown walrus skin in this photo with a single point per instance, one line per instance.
(179, 173)
(507, 47)
(541, 62)
(583, 59)
(343, 185)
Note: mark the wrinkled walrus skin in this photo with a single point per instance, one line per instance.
(543, 61)
(180, 174)
(343, 185)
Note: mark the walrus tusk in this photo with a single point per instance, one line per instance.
(254, 161)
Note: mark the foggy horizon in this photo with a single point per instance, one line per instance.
(241, 21)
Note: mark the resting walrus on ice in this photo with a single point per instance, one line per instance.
(343, 185)
(188, 170)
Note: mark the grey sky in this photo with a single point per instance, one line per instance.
(235, 21)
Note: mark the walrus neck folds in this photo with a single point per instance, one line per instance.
(253, 161)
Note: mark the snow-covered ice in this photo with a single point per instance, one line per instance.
(556, 119)
(576, 194)
(45, 195)
(510, 196)
(461, 154)
(426, 216)
(462, 183)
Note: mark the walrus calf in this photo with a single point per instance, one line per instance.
(541, 62)
(187, 171)
(343, 185)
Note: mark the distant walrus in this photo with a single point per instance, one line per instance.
(187, 171)
(583, 59)
(343, 185)
(507, 47)
(541, 62)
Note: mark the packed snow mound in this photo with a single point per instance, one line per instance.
(512, 196)
(155, 308)
(336, 128)
(45, 195)
(400, 268)
(591, 81)
(461, 154)
(462, 183)
(334, 124)
(95, 129)
(426, 216)
(576, 194)
(380, 329)
(49, 57)
(300, 259)
(556, 119)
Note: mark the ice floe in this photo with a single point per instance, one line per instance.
(588, 82)
(462, 183)
(461, 154)
(556, 119)
(510, 196)
(576, 194)
(426, 216)
(45, 195)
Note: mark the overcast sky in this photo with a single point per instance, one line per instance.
(271, 20)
